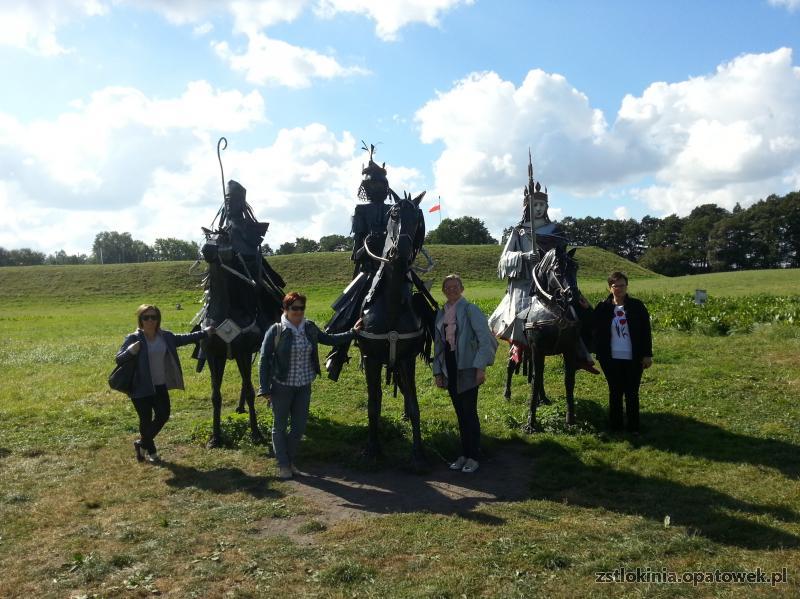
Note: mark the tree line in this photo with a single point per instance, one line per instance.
(709, 239)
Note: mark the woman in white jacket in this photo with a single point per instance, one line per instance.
(464, 347)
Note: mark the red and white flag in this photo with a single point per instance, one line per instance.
(435, 208)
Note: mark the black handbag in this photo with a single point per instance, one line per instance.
(121, 378)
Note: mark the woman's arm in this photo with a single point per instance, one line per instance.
(487, 343)
(186, 338)
(125, 352)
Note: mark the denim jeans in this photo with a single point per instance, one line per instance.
(290, 411)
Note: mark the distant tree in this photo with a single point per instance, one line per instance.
(506, 235)
(335, 243)
(668, 261)
(111, 247)
(466, 230)
(666, 233)
(266, 250)
(170, 248)
(21, 257)
(621, 237)
(693, 239)
(61, 257)
(287, 247)
(305, 246)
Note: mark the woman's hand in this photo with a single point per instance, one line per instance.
(647, 362)
(359, 324)
(480, 376)
(439, 381)
(210, 330)
(134, 347)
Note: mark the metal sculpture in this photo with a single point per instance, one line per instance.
(242, 298)
(398, 310)
(533, 234)
(398, 316)
(551, 326)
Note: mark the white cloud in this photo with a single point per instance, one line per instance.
(790, 5)
(265, 60)
(92, 164)
(391, 15)
(621, 213)
(733, 135)
(123, 161)
(274, 61)
(202, 29)
(32, 26)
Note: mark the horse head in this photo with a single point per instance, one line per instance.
(555, 277)
(405, 233)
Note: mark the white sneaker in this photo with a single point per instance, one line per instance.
(470, 466)
(153, 458)
(284, 472)
(295, 470)
(459, 463)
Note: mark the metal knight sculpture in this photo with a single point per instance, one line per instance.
(533, 236)
(242, 296)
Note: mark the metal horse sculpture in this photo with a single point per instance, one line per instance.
(551, 325)
(243, 297)
(398, 322)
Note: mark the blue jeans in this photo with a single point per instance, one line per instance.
(289, 407)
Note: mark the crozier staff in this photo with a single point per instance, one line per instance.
(158, 369)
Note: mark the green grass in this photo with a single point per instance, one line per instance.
(78, 516)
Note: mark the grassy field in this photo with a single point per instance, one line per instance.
(711, 484)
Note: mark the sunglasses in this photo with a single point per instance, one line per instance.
(149, 317)
(297, 308)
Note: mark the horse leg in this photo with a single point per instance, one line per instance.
(510, 369)
(569, 386)
(408, 387)
(216, 366)
(248, 395)
(539, 375)
(372, 370)
(537, 389)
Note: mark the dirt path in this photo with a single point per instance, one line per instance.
(338, 494)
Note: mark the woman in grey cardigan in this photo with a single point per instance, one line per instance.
(464, 347)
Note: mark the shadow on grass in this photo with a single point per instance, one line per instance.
(687, 436)
(561, 476)
(351, 488)
(4, 453)
(220, 480)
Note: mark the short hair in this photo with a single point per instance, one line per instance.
(617, 276)
(291, 298)
(144, 308)
(453, 277)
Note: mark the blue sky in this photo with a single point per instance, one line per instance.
(112, 109)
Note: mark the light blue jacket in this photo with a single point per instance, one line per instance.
(476, 346)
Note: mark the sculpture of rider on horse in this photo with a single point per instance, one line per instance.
(532, 237)
(242, 298)
(397, 308)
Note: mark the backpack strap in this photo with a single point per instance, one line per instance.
(278, 331)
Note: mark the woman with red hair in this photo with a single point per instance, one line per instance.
(289, 364)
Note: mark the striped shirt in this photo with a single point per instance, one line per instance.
(301, 371)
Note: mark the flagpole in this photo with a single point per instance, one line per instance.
(440, 211)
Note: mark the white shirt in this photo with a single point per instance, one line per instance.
(621, 348)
